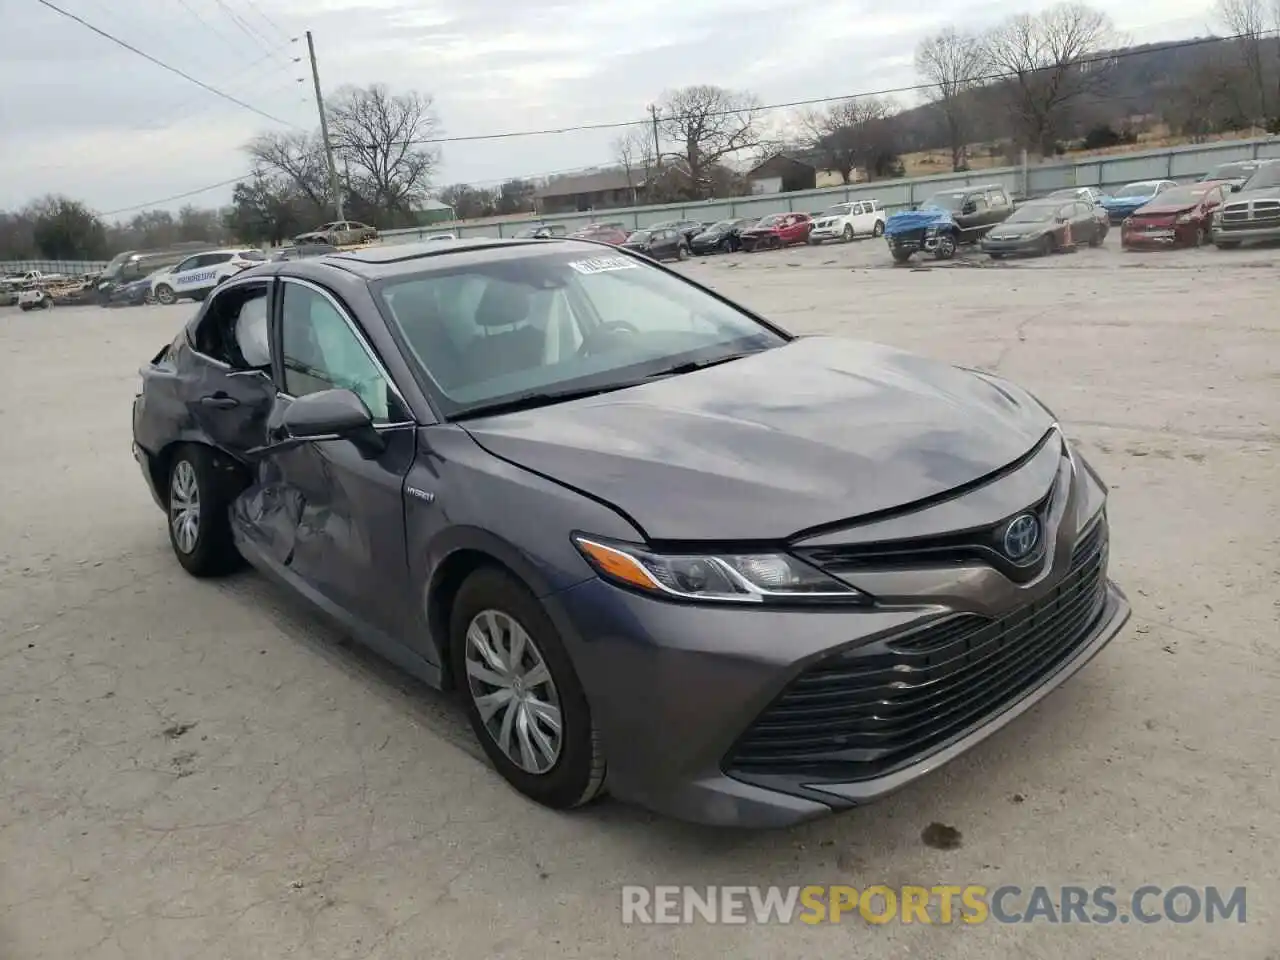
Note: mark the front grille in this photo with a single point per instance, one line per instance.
(865, 712)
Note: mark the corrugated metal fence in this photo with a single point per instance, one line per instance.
(1106, 172)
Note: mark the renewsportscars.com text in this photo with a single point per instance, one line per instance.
(970, 904)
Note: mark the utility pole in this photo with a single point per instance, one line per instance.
(324, 129)
(657, 151)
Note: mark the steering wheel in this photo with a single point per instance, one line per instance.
(606, 327)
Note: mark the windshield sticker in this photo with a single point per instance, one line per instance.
(603, 264)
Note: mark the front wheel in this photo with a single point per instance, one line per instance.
(1098, 236)
(199, 528)
(24, 307)
(46, 303)
(878, 230)
(1047, 246)
(165, 295)
(1226, 244)
(901, 256)
(848, 232)
(682, 252)
(946, 247)
(521, 693)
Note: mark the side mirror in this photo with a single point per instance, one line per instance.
(329, 413)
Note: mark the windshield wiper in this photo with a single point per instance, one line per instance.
(537, 398)
(691, 365)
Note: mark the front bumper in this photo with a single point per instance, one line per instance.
(1241, 234)
(696, 704)
(1158, 238)
(826, 233)
(1023, 245)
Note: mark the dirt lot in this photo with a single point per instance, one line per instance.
(205, 770)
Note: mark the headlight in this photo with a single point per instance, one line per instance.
(719, 577)
(1217, 216)
(1186, 218)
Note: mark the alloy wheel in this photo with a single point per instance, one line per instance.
(848, 232)
(511, 686)
(184, 506)
(164, 294)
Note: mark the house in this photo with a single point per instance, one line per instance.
(590, 191)
(798, 170)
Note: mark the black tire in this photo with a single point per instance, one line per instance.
(946, 247)
(996, 256)
(1226, 244)
(46, 303)
(1047, 246)
(682, 252)
(24, 307)
(1099, 234)
(878, 230)
(577, 776)
(847, 235)
(165, 295)
(212, 553)
(901, 256)
(726, 245)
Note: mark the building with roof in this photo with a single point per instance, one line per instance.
(591, 191)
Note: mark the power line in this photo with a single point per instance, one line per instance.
(615, 125)
(268, 20)
(210, 27)
(244, 28)
(160, 63)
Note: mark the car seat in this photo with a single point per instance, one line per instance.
(417, 311)
(497, 351)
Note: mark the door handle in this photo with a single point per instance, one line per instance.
(220, 401)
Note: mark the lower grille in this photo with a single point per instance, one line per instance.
(863, 713)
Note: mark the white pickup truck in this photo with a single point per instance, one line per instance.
(33, 290)
(33, 277)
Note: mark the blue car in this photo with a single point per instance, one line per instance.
(1131, 196)
(946, 220)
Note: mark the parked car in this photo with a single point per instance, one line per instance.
(1042, 227)
(595, 498)
(659, 243)
(603, 233)
(723, 236)
(844, 221)
(300, 251)
(339, 233)
(1092, 194)
(1181, 217)
(1132, 196)
(135, 293)
(1250, 212)
(133, 265)
(776, 230)
(946, 220)
(542, 231)
(1234, 173)
(195, 276)
(687, 228)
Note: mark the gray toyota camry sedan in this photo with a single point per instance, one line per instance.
(658, 544)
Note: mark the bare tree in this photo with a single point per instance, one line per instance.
(379, 139)
(1043, 55)
(634, 152)
(298, 158)
(953, 64)
(707, 124)
(1249, 22)
(845, 132)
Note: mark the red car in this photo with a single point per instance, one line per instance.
(777, 230)
(603, 232)
(1179, 217)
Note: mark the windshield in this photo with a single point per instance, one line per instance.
(1035, 213)
(638, 236)
(945, 201)
(721, 225)
(1182, 195)
(1133, 191)
(1230, 171)
(112, 269)
(486, 333)
(834, 211)
(770, 221)
(1266, 176)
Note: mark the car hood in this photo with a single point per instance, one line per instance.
(818, 431)
(770, 228)
(1164, 209)
(915, 219)
(710, 235)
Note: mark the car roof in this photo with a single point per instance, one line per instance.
(380, 262)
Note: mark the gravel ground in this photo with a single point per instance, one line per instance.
(206, 770)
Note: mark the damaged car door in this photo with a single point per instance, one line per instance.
(339, 502)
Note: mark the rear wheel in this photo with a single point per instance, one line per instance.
(1047, 245)
(46, 302)
(521, 693)
(199, 529)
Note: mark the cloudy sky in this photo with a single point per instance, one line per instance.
(84, 117)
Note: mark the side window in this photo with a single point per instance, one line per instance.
(979, 202)
(188, 264)
(999, 199)
(210, 259)
(321, 351)
(233, 329)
